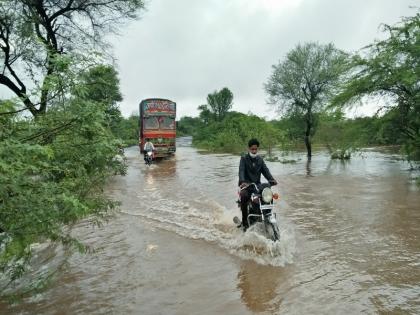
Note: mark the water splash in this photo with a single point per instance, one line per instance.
(255, 245)
(214, 224)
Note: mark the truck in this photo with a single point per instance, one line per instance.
(157, 123)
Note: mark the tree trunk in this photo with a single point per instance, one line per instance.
(308, 146)
(308, 135)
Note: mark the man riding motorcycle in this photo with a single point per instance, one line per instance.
(251, 167)
(148, 147)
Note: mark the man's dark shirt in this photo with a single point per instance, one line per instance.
(250, 170)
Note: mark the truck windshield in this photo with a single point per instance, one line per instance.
(151, 123)
(167, 122)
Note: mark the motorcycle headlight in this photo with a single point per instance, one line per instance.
(267, 195)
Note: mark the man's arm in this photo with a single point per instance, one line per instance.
(241, 171)
(266, 172)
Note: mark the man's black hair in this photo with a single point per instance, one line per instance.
(252, 142)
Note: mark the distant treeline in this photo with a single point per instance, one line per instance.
(127, 130)
(334, 130)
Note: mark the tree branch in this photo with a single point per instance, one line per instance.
(50, 131)
(4, 80)
(14, 112)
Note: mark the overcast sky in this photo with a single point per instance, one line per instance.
(185, 49)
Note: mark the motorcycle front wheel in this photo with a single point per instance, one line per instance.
(273, 231)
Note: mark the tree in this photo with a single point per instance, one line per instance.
(205, 114)
(102, 85)
(55, 164)
(53, 170)
(232, 134)
(304, 82)
(188, 126)
(37, 35)
(391, 69)
(220, 102)
(127, 129)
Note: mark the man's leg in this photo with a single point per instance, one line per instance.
(245, 196)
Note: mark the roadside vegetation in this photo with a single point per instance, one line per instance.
(335, 132)
(61, 134)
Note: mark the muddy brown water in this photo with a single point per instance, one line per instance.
(350, 242)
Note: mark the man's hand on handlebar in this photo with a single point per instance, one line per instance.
(273, 182)
(243, 185)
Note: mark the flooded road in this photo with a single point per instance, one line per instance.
(350, 242)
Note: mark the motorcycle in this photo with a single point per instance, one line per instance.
(260, 209)
(148, 158)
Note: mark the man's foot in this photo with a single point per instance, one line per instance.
(237, 222)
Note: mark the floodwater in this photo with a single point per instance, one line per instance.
(350, 242)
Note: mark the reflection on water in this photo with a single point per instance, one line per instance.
(150, 178)
(308, 168)
(258, 285)
(349, 242)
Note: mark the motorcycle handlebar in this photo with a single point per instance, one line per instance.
(246, 185)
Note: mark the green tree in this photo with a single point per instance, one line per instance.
(233, 133)
(390, 69)
(54, 165)
(188, 126)
(220, 102)
(293, 125)
(205, 114)
(304, 82)
(35, 37)
(53, 170)
(128, 130)
(102, 85)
